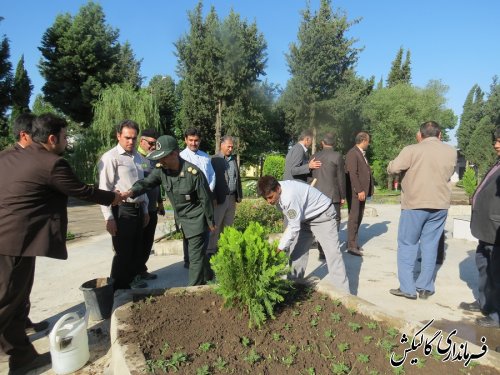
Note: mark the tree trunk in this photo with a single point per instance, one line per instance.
(218, 126)
(313, 128)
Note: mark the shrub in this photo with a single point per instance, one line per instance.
(469, 181)
(274, 165)
(250, 273)
(249, 187)
(260, 211)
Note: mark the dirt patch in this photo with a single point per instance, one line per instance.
(192, 333)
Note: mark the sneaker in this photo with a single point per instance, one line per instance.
(398, 292)
(148, 276)
(137, 283)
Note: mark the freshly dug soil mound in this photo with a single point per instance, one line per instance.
(192, 333)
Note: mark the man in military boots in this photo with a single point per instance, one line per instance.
(188, 191)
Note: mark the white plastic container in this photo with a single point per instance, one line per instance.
(69, 344)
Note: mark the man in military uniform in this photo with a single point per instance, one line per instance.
(188, 192)
(308, 212)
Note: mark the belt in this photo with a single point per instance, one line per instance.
(131, 204)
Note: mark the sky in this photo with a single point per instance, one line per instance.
(454, 41)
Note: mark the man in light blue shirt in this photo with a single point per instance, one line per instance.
(193, 154)
(308, 212)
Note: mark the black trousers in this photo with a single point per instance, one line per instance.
(16, 280)
(127, 244)
(488, 265)
(148, 238)
(356, 209)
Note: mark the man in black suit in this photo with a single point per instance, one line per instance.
(485, 226)
(34, 222)
(359, 188)
(330, 178)
(297, 163)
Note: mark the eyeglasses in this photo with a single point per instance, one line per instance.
(151, 143)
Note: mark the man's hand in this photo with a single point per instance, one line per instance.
(160, 209)
(125, 195)
(111, 227)
(342, 201)
(361, 196)
(314, 164)
(212, 228)
(118, 198)
(145, 221)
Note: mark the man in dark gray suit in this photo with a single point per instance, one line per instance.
(34, 222)
(297, 163)
(485, 226)
(330, 178)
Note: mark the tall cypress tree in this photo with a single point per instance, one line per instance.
(473, 112)
(5, 85)
(400, 71)
(21, 90)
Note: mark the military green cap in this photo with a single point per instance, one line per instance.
(164, 146)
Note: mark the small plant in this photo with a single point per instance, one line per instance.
(206, 346)
(203, 370)
(343, 346)
(250, 273)
(386, 345)
(314, 322)
(398, 370)
(469, 181)
(287, 327)
(372, 325)
(420, 362)
(164, 349)
(149, 300)
(276, 337)
(292, 349)
(252, 357)
(355, 327)
(288, 360)
(245, 341)
(340, 368)
(363, 358)
(318, 308)
(295, 312)
(373, 372)
(220, 364)
(311, 371)
(336, 317)
(329, 334)
(367, 339)
(174, 362)
(70, 236)
(324, 297)
(352, 311)
(337, 302)
(392, 332)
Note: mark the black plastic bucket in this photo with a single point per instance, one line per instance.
(98, 295)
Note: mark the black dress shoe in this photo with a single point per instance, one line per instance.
(355, 252)
(148, 276)
(472, 306)
(39, 360)
(424, 294)
(186, 264)
(36, 327)
(399, 293)
(487, 322)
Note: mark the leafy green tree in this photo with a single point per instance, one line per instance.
(40, 105)
(492, 106)
(469, 181)
(218, 63)
(80, 57)
(119, 102)
(163, 89)
(21, 90)
(400, 71)
(5, 86)
(318, 63)
(473, 111)
(394, 115)
(479, 151)
(128, 67)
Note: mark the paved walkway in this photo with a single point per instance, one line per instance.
(56, 289)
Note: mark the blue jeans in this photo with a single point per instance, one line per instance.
(419, 228)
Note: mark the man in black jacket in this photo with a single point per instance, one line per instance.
(485, 226)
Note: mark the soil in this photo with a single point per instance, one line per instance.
(192, 333)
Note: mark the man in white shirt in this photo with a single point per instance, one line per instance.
(193, 154)
(119, 168)
(308, 212)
